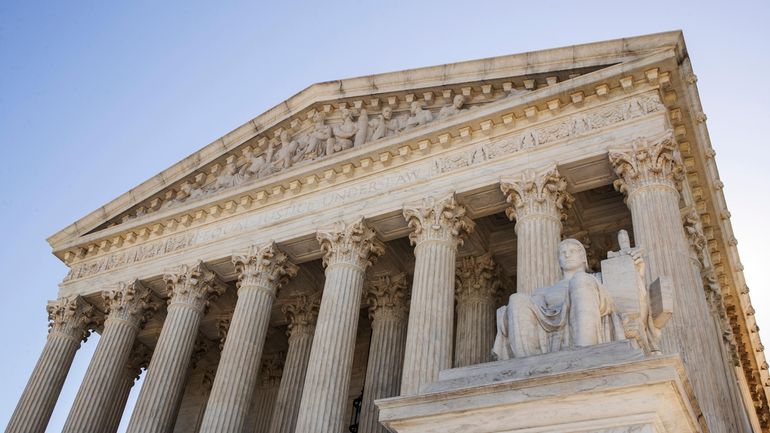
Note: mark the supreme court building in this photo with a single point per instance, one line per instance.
(388, 252)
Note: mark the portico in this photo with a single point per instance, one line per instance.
(424, 202)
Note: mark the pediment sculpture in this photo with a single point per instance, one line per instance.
(585, 309)
(294, 146)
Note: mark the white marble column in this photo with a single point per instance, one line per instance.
(302, 312)
(265, 395)
(650, 173)
(476, 291)
(138, 360)
(348, 251)
(388, 306)
(438, 227)
(70, 321)
(190, 289)
(539, 201)
(261, 272)
(128, 308)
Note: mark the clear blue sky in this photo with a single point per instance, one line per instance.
(96, 97)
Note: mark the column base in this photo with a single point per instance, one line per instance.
(609, 388)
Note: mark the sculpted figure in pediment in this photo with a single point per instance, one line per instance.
(285, 156)
(343, 133)
(257, 165)
(455, 107)
(384, 124)
(362, 123)
(315, 142)
(228, 178)
(419, 115)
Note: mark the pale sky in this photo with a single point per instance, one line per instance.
(96, 97)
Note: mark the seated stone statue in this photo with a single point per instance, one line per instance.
(574, 312)
(584, 309)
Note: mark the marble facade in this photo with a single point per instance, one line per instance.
(327, 263)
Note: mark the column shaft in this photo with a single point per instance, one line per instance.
(650, 173)
(537, 252)
(261, 272)
(539, 201)
(115, 415)
(331, 357)
(96, 395)
(70, 320)
(475, 331)
(263, 408)
(158, 402)
(129, 306)
(387, 300)
(383, 370)
(302, 313)
(39, 397)
(431, 314)
(477, 286)
(349, 250)
(439, 226)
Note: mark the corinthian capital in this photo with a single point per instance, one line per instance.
(441, 219)
(193, 285)
(264, 268)
(477, 279)
(271, 370)
(302, 312)
(72, 317)
(541, 192)
(647, 162)
(353, 244)
(138, 359)
(131, 302)
(387, 296)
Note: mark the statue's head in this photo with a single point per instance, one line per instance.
(387, 112)
(572, 256)
(458, 101)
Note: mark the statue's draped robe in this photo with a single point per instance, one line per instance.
(527, 326)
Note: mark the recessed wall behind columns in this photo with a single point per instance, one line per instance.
(464, 168)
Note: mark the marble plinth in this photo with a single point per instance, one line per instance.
(610, 388)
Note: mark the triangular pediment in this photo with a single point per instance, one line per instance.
(335, 117)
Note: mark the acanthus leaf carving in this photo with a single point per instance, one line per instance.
(354, 244)
(387, 296)
(540, 192)
(131, 302)
(194, 285)
(264, 268)
(438, 219)
(647, 161)
(72, 317)
(477, 279)
(302, 312)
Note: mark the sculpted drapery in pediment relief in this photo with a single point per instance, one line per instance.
(356, 127)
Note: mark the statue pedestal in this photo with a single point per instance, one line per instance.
(609, 388)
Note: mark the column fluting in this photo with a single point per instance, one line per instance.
(265, 395)
(539, 201)
(388, 306)
(261, 272)
(348, 251)
(302, 312)
(438, 227)
(139, 359)
(476, 291)
(70, 321)
(190, 289)
(650, 173)
(128, 309)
